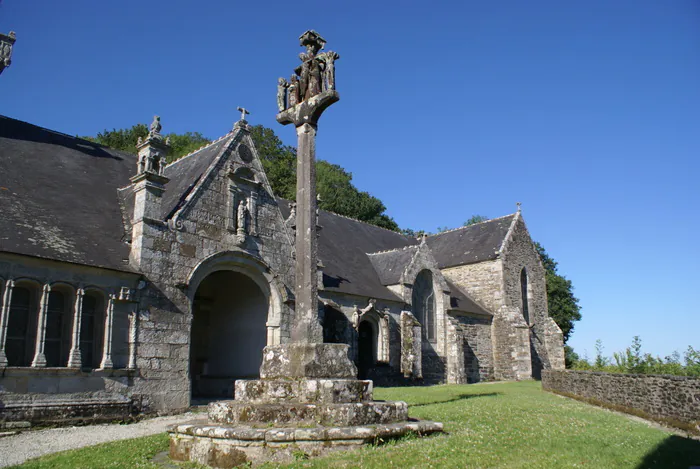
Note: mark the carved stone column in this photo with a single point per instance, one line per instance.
(4, 317)
(39, 357)
(133, 331)
(75, 359)
(107, 345)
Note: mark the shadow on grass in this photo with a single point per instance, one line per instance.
(458, 398)
(673, 452)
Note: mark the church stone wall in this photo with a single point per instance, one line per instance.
(519, 254)
(483, 281)
(167, 259)
(477, 348)
(385, 372)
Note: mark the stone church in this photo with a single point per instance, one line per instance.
(131, 285)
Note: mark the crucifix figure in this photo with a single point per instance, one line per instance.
(243, 112)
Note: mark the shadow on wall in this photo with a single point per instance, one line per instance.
(673, 452)
(536, 361)
(471, 364)
(458, 398)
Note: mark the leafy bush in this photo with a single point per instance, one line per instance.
(633, 360)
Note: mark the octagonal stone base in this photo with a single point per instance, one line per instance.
(338, 414)
(224, 446)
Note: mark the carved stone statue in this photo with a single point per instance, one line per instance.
(356, 317)
(293, 96)
(282, 86)
(139, 141)
(329, 59)
(242, 215)
(6, 42)
(155, 126)
(315, 74)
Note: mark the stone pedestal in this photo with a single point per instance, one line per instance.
(307, 401)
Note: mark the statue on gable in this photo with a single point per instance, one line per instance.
(155, 127)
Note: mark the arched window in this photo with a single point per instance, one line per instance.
(91, 325)
(424, 304)
(523, 295)
(18, 330)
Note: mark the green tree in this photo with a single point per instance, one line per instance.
(333, 183)
(563, 305)
(126, 140)
(476, 219)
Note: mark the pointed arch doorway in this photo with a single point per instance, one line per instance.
(229, 332)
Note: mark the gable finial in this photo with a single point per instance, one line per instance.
(243, 112)
(519, 206)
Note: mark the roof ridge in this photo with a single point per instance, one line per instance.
(392, 250)
(199, 149)
(359, 221)
(76, 137)
(366, 223)
(473, 224)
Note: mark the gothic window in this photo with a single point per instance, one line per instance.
(56, 338)
(424, 304)
(18, 330)
(91, 332)
(523, 295)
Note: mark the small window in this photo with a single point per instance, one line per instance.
(523, 294)
(16, 344)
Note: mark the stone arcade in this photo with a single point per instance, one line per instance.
(130, 285)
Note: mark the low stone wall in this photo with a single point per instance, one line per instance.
(674, 399)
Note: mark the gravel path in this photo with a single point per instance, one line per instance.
(16, 449)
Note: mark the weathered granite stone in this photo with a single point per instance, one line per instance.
(284, 413)
(307, 361)
(204, 443)
(303, 390)
(659, 396)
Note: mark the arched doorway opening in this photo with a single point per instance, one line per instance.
(366, 348)
(228, 333)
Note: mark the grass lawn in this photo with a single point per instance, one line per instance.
(508, 425)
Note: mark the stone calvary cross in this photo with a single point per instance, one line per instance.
(301, 103)
(307, 398)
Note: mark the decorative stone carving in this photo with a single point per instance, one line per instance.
(293, 95)
(329, 59)
(241, 219)
(6, 43)
(315, 75)
(155, 127)
(282, 86)
(124, 294)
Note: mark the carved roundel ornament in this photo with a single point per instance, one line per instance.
(245, 153)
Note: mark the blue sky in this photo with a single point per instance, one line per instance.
(586, 112)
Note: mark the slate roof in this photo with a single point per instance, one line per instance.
(185, 173)
(391, 264)
(58, 196)
(343, 245)
(470, 244)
